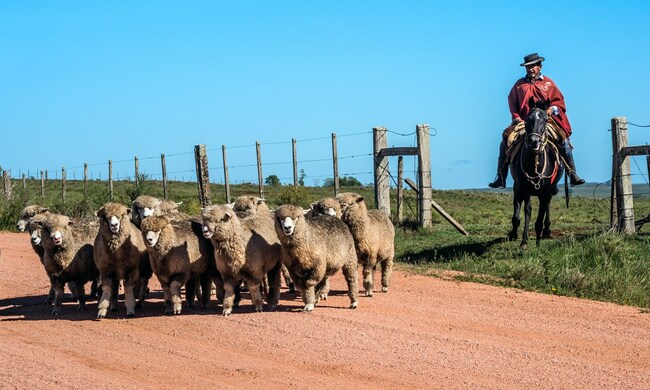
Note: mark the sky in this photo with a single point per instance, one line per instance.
(89, 82)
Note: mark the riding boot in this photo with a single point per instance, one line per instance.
(567, 156)
(502, 167)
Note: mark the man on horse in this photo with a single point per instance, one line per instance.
(528, 91)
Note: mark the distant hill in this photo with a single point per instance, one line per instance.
(587, 190)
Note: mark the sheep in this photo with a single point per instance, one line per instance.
(374, 238)
(247, 250)
(27, 214)
(68, 256)
(313, 249)
(145, 205)
(246, 206)
(325, 206)
(120, 254)
(179, 254)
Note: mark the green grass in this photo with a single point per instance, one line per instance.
(583, 259)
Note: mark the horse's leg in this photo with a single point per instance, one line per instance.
(516, 220)
(528, 208)
(546, 233)
(542, 211)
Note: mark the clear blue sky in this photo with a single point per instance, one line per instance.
(85, 82)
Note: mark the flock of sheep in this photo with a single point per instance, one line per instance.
(224, 249)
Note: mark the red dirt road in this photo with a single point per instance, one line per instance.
(424, 333)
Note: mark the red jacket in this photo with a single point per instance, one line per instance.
(541, 89)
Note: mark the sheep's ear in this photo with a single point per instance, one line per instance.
(99, 212)
(43, 209)
(178, 203)
(259, 201)
(128, 210)
(70, 222)
(227, 216)
(231, 205)
(359, 199)
(311, 205)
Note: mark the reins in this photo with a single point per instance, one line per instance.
(536, 179)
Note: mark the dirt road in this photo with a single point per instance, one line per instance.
(424, 333)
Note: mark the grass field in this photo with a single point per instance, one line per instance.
(584, 258)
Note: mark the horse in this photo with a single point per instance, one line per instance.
(536, 170)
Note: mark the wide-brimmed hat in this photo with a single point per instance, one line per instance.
(532, 59)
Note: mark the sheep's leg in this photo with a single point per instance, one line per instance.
(115, 286)
(81, 296)
(386, 271)
(58, 296)
(309, 298)
(219, 291)
(175, 289)
(167, 296)
(254, 288)
(229, 296)
(351, 277)
(206, 286)
(274, 277)
(94, 288)
(50, 297)
(287, 279)
(141, 289)
(72, 287)
(129, 296)
(322, 289)
(190, 292)
(368, 275)
(104, 301)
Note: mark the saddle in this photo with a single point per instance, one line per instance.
(515, 136)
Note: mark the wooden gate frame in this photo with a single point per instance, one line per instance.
(622, 216)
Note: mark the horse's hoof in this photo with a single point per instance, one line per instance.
(524, 246)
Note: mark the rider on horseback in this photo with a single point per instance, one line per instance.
(527, 92)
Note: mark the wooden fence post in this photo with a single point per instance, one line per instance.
(260, 177)
(164, 175)
(24, 182)
(382, 187)
(7, 184)
(42, 186)
(647, 160)
(295, 162)
(623, 182)
(110, 178)
(424, 175)
(335, 164)
(202, 174)
(400, 192)
(63, 184)
(225, 173)
(85, 179)
(137, 170)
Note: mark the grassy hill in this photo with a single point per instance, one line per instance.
(584, 258)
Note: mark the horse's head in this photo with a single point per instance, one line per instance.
(536, 129)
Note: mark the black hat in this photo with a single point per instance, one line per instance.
(531, 59)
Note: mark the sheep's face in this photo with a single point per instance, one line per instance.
(57, 228)
(27, 215)
(151, 237)
(35, 237)
(152, 228)
(349, 200)
(245, 206)
(144, 206)
(327, 206)
(287, 218)
(217, 222)
(112, 215)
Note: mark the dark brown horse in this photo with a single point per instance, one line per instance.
(536, 170)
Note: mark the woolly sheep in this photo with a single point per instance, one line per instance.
(68, 257)
(313, 249)
(120, 254)
(247, 206)
(247, 250)
(179, 254)
(374, 238)
(325, 206)
(145, 205)
(27, 214)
